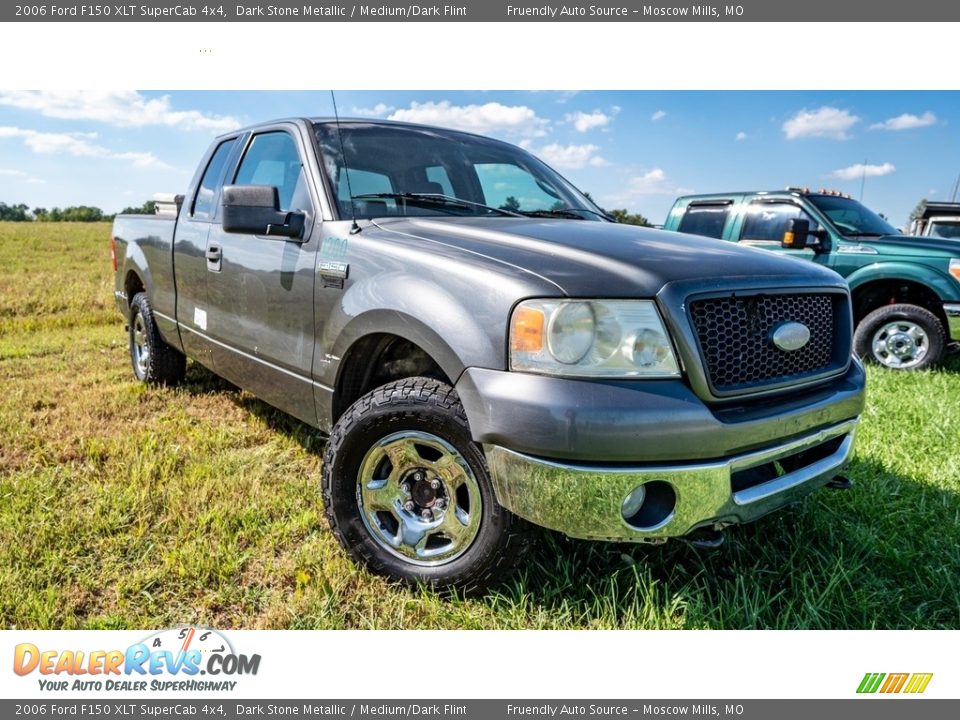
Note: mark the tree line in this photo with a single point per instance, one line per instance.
(74, 213)
(87, 213)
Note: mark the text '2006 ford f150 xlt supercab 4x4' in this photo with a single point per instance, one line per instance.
(486, 349)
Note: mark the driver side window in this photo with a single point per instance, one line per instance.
(767, 222)
(272, 159)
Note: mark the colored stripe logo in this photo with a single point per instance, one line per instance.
(912, 683)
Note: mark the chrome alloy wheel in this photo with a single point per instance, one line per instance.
(141, 348)
(419, 498)
(901, 344)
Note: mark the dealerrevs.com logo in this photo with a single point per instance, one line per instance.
(179, 659)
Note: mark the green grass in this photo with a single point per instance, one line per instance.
(126, 506)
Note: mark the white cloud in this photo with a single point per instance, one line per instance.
(122, 108)
(855, 172)
(826, 122)
(652, 182)
(907, 121)
(571, 156)
(741, 135)
(378, 110)
(21, 175)
(77, 145)
(588, 121)
(658, 115)
(491, 117)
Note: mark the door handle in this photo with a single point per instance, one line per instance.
(214, 255)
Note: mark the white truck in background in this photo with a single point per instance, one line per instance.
(936, 219)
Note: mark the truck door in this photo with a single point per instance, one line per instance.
(190, 246)
(260, 291)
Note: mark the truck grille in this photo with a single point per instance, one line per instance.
(734, 333)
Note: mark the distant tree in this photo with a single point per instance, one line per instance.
(621, 215)
(74, 213)
(16, 213)
(511, 203)
(40, 214)
(919, 209)
(148, 208)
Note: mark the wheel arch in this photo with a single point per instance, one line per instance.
(378, 358)
(870, 294)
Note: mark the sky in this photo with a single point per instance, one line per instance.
(636, 150)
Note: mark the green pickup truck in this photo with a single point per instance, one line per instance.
(906, 290)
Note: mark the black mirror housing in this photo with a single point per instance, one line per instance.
(255, 210)
(796, 235)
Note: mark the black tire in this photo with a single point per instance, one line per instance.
(154, 362)
(423, 408)
(876, 338)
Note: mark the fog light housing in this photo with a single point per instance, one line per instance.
(633, 502)
(653, 505)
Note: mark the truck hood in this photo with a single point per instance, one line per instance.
(913, 245)
(587, 259)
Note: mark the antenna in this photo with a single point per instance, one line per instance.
(863, 179)
(354, 228)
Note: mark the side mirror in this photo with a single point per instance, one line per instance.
(255, 210)
(796, 235)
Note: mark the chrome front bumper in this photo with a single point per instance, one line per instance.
(585, 501)
(952, 311)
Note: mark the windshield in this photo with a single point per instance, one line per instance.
(949, 230)
(852, 218)
(454, 174)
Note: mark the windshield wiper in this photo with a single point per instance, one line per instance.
(434, 198)
(564, 212)
(861, 233)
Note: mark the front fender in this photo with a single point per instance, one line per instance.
(454, 334)
(940, 283)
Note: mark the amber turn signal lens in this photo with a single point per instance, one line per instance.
(955, 268)
(526, 330)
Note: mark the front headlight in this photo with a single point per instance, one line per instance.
(591, 338)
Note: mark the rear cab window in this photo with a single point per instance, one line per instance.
(705, 218)
(203, 204)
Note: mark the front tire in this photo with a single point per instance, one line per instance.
(154, 362)
(901, 337)
(408, 494)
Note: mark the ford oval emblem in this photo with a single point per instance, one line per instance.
(790, 336)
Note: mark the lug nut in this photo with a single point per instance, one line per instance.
(426, 515)
(418, 476)
(409, 506)
(435, 484)
(407, 488)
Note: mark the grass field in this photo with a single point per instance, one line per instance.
(123, 506)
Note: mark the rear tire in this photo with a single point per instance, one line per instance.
(408, 494)
(154, 361)
(901, 337)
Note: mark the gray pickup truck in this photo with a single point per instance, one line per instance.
(486, 349)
